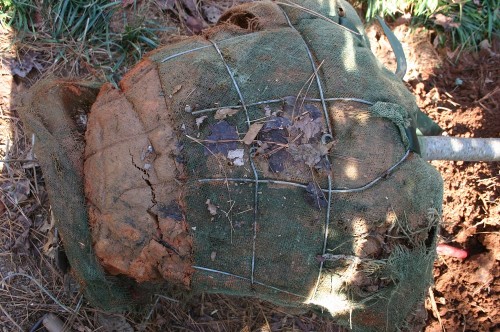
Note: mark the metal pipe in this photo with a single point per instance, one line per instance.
(455, 148)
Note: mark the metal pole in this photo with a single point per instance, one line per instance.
(455, 148)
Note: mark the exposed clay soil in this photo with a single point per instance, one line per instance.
(463, 97)
(467, 292)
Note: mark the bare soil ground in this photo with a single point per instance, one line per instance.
(461, 95)
(467, 292)
(461, 92)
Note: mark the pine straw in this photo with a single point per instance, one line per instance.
(24, 213)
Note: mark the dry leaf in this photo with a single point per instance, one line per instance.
(114, 322)
(275, 131)
(25, 65)
(200, 120)
(49, 247)
(313, 111)
(277, 161)
(236, 156)
(211, 208)
(212, 13)
(323, 167)
(22, 243)
(17, 192)
(177, 88)
(51, 240)
(224, 137)
(307, 153)
(252, 132)
(48, 224)
(276, 122)
(308, 127)
(325, 148)
(22, 191)
(445, 21)
(263, 147)
(310, 154)
(289, 104)
(224, 112)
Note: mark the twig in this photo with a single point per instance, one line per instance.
(268, 327)
(167, 298)
(488, 95)
(313, 75)
(171, 314)
(308, 82)
(228, 213)
(16, 205)
(74, 315)
(281, 146)
(148, 316)
(435, 309)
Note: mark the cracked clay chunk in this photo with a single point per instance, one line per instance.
(134, 198)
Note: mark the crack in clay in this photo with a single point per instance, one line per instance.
(159, 233)
(168, 246)
(146, 179)
(151, 213)
(153, 195)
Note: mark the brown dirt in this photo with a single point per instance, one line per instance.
(466, 291)
(463, 97)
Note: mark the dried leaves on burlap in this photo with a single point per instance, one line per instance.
(292, 134)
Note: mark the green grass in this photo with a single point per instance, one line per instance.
(18, 13)
(80, 33)
(472, 21)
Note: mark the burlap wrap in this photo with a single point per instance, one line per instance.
(269, 157)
